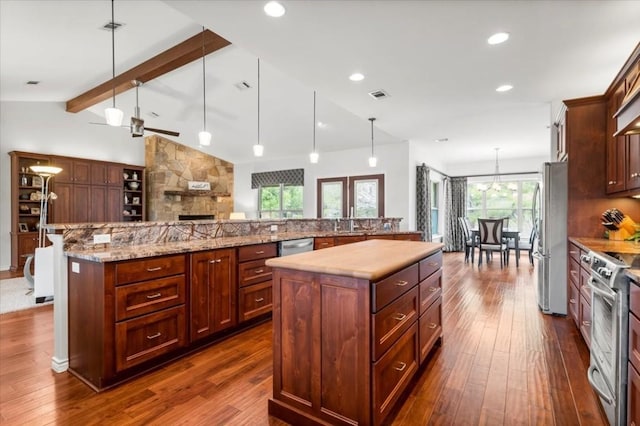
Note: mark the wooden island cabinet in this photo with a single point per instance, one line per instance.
(351, 326)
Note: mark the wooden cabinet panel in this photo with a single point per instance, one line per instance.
(616, 146)
(389, 323)
(348, 239)
(634, 298)
(574, 303)
(148, 296)
(114, 204)
(634, 341)
(430, 265)
(430, 290)
(149, 268)
(393, 373)
(585, 320)
(430, 328)
(633, 165)
(254, 300)
(144, 338)
(81, 203)
(98, 203)
(408, 237)
(381, 237)
(633, 397)
(323, 242)
(213, 292)
(98, 173)
(393, 286)
(574, 272)
(574, 252)
(258, 251)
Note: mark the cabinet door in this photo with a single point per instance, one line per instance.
(615, 146)
(574, 303)
(98, 204)
(98, 173)
(213, 292)
(114, 206)
(80, 203)
(585, 320)
(81, 172)
(62, 207)
(27, 244)
(66, 174)
(633, 397)
(114, 175)
(633, 162)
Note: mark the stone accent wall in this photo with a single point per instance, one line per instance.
(170, 166)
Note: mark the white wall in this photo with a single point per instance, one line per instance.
(48, 129)
(517, 165)
(392, 162)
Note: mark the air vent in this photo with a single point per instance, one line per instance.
(111, 25)
(379, 94)
(243, 85)
(154, 114)
(33, 82)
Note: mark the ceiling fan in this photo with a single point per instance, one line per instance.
(137, 124)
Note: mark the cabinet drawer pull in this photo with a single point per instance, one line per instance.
(324, 244)
(402, 366)
(154, 336)
(432, 289)
(154, 269)
(573, 252)
(214, 261)
(259, 271)
(434, 264)
(260, 300)
(432, 325)
(402, 283)
(154, 296)
(260, 252)
(572, 301)
(586, 323)
(399, 317)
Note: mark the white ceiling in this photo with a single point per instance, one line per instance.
(430, 56)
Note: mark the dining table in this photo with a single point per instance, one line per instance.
(506, 233)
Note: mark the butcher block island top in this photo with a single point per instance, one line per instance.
(370, 260)
(352, 326)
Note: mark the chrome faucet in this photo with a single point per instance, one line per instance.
(351, 225)
(335, 225)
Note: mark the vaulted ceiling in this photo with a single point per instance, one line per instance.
(431, 57)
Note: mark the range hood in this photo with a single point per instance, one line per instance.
(628, 116)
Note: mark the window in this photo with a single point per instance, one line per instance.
(280, 201)
(362, 196)
(513, 200)
(435, 186)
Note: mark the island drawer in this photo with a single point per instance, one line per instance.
(574, 271)
(393, 372)
(255, 300)
(257, 251)
(390, 322)
(144, 338)
(430, 264)
(323, 242)
(142, 298)
(574, 252)
(430, 328)
(430, 290)
(634, 299)
(394, 286)
(150, 268)
(253, 272)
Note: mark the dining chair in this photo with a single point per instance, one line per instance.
(528, 246)
(491, 240)
(466, 232)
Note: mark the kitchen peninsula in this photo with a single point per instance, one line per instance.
(351, 327)
(159, 290)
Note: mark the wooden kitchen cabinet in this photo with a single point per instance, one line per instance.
(633, 387)
(254, 280)
(214, 295)
(106, 174)
(125, 316)
(74, 170)
(134, 204)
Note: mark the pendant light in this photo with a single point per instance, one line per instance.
(314, 156)
(258, 149)
(373, 161)
(496, 184)
(113, 115)
(204, 137)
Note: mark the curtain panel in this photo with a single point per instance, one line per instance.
(286, 177)
(455, 193)
(423, 202)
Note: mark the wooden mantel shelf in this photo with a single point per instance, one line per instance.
(198, 193)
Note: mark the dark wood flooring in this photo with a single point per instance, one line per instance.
(501, 363)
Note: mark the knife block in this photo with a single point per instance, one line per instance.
(626, 228)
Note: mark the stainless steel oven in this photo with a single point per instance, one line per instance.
(609, 334)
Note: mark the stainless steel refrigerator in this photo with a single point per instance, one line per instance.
(550, 217)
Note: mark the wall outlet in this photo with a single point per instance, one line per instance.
(101, 239)
(75, 267)
(274, 228)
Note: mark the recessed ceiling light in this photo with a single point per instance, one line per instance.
(498, 38)
(274, 9)
(356, 76)
(504, 88)
(442, 140)
(321, 125)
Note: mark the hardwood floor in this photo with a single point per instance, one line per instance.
(501, 362)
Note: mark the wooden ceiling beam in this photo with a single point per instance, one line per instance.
(167, 61)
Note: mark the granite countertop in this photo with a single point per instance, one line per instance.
(105, 253)
(611, 246)
(370, 260)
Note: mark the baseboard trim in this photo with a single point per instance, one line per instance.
(59, 365)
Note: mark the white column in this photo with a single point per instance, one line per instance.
(60, 358)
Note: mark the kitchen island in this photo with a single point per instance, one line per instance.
(351, 326)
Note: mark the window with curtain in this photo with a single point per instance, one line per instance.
(279, 193)
(513, 200)
(362, 195)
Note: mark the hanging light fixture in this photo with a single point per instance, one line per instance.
(496, 184)
(204, 137)
(373, 161)
(314, 156)
(258, 149)
(113, 115)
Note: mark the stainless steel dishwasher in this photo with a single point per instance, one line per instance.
(295, 246)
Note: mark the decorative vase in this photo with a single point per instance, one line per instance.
(134, 185)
